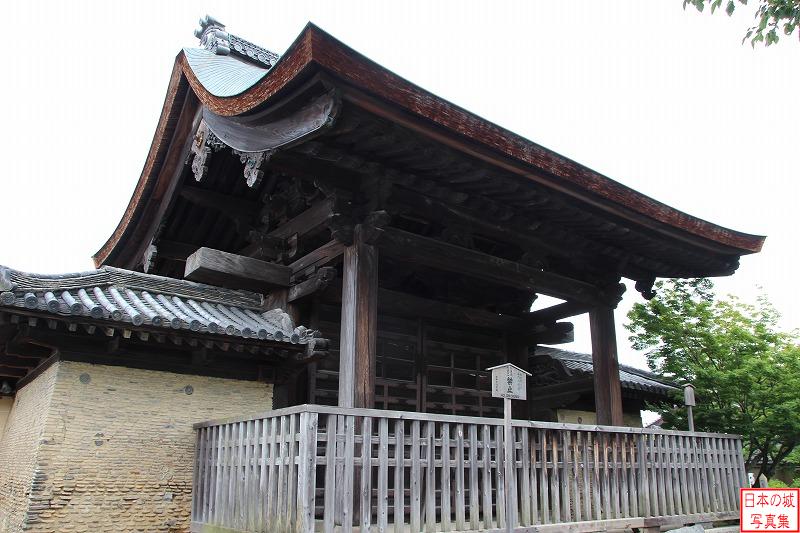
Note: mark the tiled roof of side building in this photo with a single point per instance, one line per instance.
(125, 297)
(630, 377)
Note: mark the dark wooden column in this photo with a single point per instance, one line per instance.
(607, 390)
(286, 394)
(359, 323)
(517, 353)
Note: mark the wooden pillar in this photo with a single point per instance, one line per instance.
(607, 390)
(517, 353)
(359, 323)
(287, 393)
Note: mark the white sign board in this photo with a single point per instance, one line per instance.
(508, 381)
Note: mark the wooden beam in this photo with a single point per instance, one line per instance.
(12, 372)
(451, 258)
(322, 256)
(516, 231)
(554, 333)
(307, 222)
(408, 305)
(607, 388)
(236, 271)
(12, 361)
(558, 311)
(319, 281)
(359, 323)
(43, 365)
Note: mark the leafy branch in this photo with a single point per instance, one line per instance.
(772, 18)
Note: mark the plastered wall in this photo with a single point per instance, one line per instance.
(571, 416)
(115, 447)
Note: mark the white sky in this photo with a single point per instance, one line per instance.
(663, 100)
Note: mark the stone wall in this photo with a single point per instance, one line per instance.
(19, 445)
(117, 446)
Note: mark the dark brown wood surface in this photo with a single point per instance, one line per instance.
(236, 271)
(607, 388)
(417, 249)
(377, 90)
(402, 304)
(558, 311)
(461, 129)
(320, 257)
(359, 324)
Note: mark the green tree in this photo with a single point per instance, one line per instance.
(773, 17)
(745, 372)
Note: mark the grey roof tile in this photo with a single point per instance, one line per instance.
(127, 297)
(223, 76)
(630, 377)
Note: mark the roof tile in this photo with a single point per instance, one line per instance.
(128, 297)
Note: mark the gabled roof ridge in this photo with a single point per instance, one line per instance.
(215, 38)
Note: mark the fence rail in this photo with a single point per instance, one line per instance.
(322, 468)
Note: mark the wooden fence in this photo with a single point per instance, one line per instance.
(322, 468)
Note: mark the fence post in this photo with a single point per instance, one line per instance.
(306, 472)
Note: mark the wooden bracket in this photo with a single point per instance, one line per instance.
(317, 282)
(645, 288)
(342, 228)
(252, 166)
(205, 142)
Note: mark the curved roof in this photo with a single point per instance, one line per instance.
(243, 88)
(222, 76)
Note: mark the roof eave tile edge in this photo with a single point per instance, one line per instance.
(104, 295)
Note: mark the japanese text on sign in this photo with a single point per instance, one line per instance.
(770, 510)
(508, 381)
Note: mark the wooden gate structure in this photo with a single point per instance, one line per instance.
(322, 468)
(415, 237)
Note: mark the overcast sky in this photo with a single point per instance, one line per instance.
(664, 100)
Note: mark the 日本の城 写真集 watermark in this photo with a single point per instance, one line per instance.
(769, 510)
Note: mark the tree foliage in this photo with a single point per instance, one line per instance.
(773, 17)
(745, 372)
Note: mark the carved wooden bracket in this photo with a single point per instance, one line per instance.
(149, 258)
(342, 228)
(252, 166)
(205, 142)
(645, 288)
(613, 294)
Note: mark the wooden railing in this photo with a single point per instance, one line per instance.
(401, 471)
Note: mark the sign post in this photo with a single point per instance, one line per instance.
(508, 382)
(688, 400)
